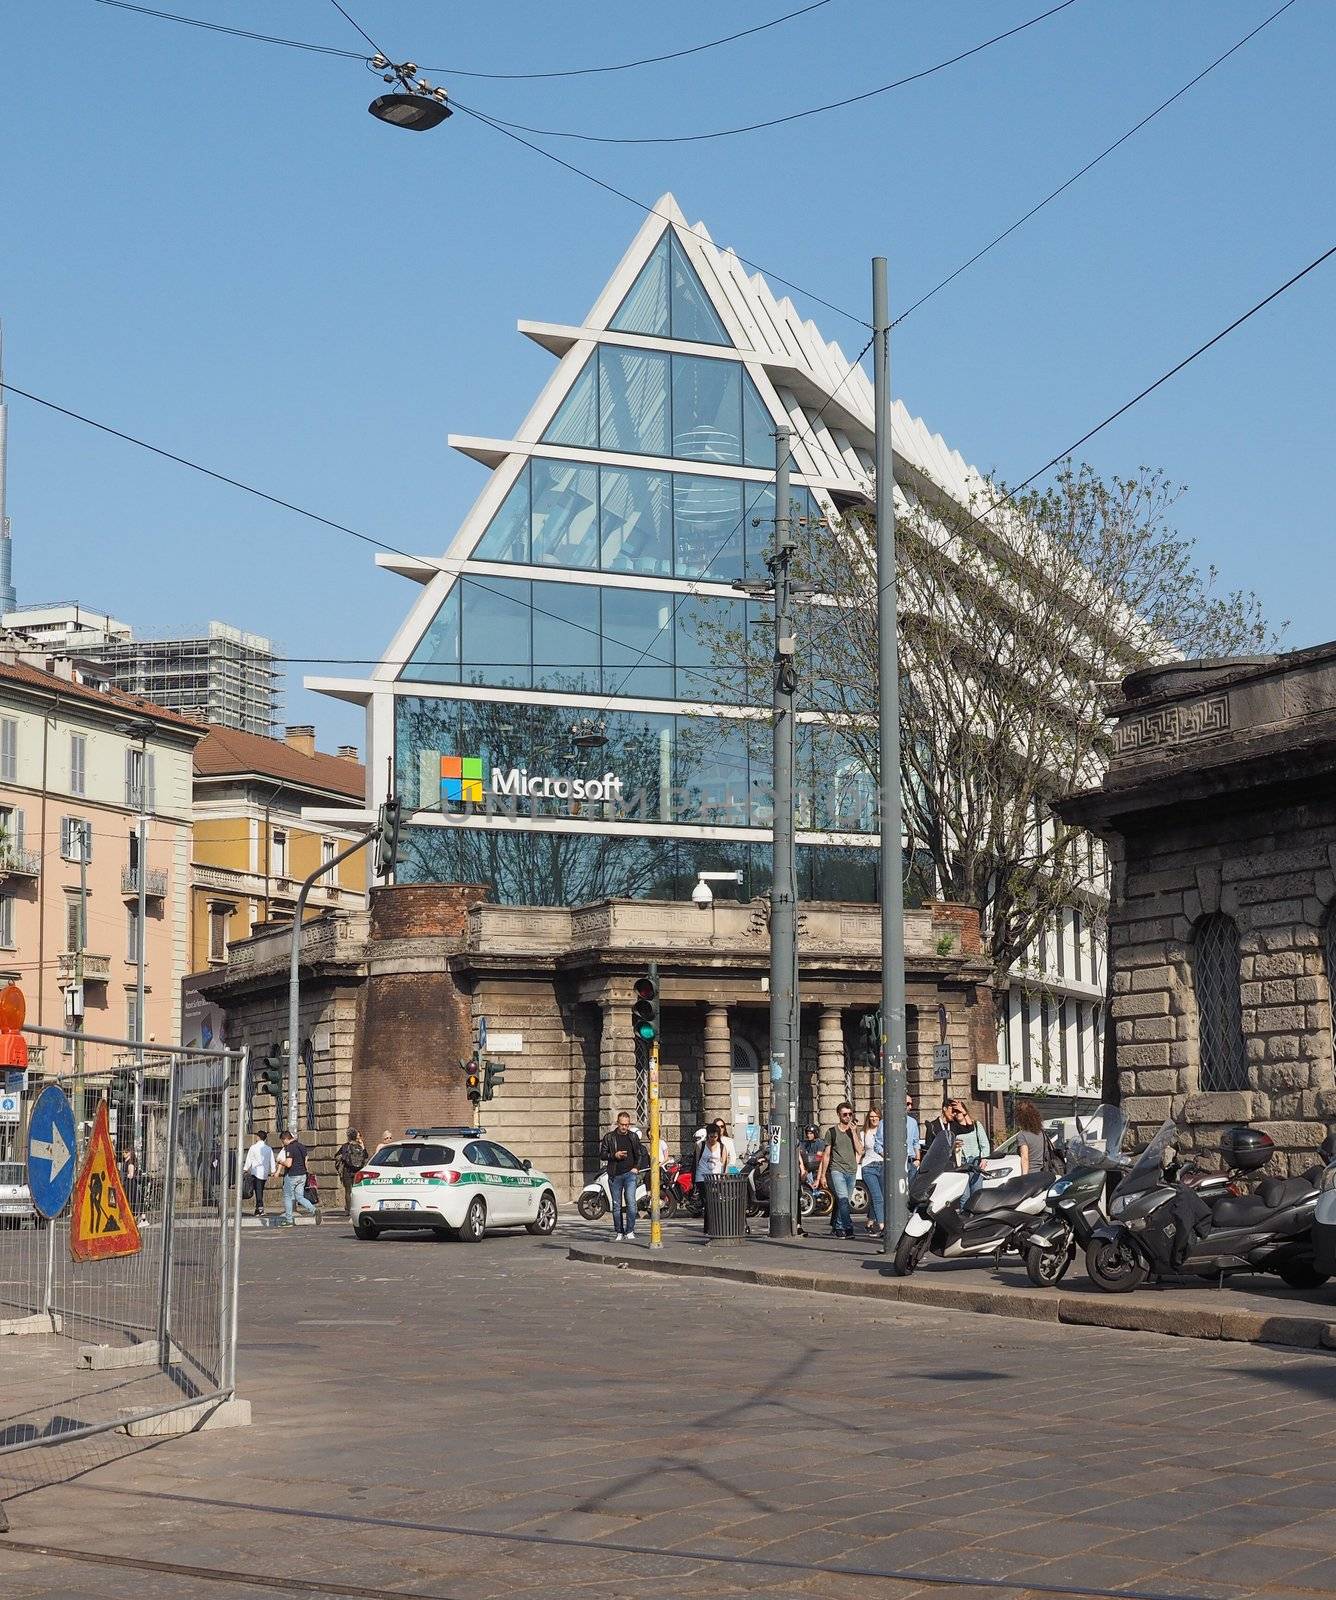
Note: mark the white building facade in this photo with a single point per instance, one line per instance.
(553, 708)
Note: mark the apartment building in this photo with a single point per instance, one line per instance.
(75, 761)
(252, 848)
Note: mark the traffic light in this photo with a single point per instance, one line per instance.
(645, 1011)
(870, 1026)
(387, 837)
(492, 1074)
(273, 1069)
(472, 1081)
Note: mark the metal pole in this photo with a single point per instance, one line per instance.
(79, 957)
(226, 1169)
(894, 1184)
(234, 1266)
(783, 885)
(655, 1222)
(140, 950)
(294, 968)
(168, 1215)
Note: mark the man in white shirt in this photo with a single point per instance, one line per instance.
(259, 1168)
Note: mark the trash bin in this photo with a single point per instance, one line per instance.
(726, 1207)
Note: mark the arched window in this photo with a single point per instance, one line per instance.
(1215, 979)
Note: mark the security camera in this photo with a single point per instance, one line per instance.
(702, 895)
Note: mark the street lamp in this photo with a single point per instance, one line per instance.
(415, 105)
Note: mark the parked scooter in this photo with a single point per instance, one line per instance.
(1159, 1225)
(966, 1211)
(1324, 1216)
(1077, 1202)
(595, 1199)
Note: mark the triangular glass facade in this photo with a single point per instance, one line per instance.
(668, 300)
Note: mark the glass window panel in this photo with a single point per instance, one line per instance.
(645, 309)
(708, 532)
(758, 427)
(693, 317)
(711, 771)
(707, 633)
(565, 514)
(495, 632)
(424, 731)
(633, 401)
(507, 534)
(759, 527)
(846, 797)
(761, 773)
(436, 659)
(637, 522)
(565, 637)
(843, 872)
(707, 409)
(576, 421)
(640, 752)
(638, 643)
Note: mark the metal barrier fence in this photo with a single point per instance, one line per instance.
(108, 1342)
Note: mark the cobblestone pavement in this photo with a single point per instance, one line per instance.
(414, 1401)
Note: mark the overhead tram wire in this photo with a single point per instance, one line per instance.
(462, 72)
(439, 566)
(791, 116)
(1090, 165)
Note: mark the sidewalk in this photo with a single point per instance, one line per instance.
(1251, 1308)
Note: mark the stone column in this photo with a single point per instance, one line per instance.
(830, 1063)
(616, 1064)
(718, 1065)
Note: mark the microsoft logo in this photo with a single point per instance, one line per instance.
(461, 780)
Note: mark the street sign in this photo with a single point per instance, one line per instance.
(505, 1044)
(993, 1076)
(941, 1062)
(482, 1036)
(10, 1107)
(102, 1221)
(51, 1146)
(14, 1080)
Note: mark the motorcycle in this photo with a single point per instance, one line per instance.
(966, 1211)
(1077, 1201)
(595, 1199)
(1159, 1225)
(1324, 1215)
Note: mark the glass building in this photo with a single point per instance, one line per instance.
(565, 708)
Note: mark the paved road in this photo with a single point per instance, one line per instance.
(415, 1401)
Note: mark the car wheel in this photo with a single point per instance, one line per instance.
(475, 1221)
(365, 1229)
(546, 1219)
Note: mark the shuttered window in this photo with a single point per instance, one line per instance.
(1215, 980)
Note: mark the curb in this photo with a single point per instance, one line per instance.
(1085, 1310)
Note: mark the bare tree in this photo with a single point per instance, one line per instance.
(1017, 618)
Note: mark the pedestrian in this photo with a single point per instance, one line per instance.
(809, 1156)
(712, 1162)
(385, 1137)
(873, 1151)
(730, 1149)
(1031, 1140)
(970, 1142)
(624, 1155)
(131, 1179)
(839, 1167)
(945, 1122)
(349, 1159)
(913, 1140)
(292, 1162)
(257, 1169)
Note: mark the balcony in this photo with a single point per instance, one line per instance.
(155, 882)
(16, 863)
(96, 969)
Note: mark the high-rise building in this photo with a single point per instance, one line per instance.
(222, 676)
(560, 722)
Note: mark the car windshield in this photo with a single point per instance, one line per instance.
(412, 1155)
(1099, 1140)
(11, 1172)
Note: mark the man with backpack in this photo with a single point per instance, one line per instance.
(839, 1167)
(349, 1159)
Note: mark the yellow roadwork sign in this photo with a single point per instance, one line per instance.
(102, 1222)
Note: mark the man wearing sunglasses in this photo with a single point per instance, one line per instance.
(839, 1167)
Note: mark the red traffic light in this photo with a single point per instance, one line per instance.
(645, 989)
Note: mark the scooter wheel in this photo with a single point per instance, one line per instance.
(910, 1252)
(1047, 1268)
(1113, 1267)
(858, 1201)
(1301, 1275)
(592, 1206)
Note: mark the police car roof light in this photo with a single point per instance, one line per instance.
(434, 1133)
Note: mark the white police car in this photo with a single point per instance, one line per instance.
(454, 1181)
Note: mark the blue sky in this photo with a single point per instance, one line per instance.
(209, 243)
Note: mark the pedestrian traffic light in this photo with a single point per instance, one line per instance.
(472, 1081)
(645, 1011)
(492, 1074)
(273, 1068)
(870, 1026)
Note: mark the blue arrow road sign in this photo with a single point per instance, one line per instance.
(51, 1151)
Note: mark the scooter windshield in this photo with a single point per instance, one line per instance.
(1149, 1165)
(936, 1159)
(1102, 1145)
